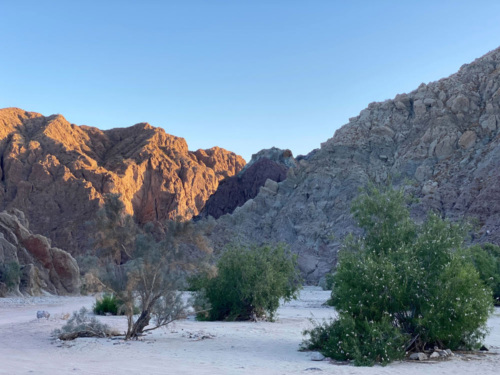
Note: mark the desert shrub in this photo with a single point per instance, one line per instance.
(364, 342)
(249, 283)
(327, 282)
(486, 260)
(412, 277)
(80, 324)
(107, 304)
(10, 274)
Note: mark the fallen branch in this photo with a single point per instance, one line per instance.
(74, 335)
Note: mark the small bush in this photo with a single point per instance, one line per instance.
(249, 284)
(81, 325)
(10, 274)
(108, 304)
(361, 341)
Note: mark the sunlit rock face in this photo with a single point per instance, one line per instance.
(57, 173)
(440, 141)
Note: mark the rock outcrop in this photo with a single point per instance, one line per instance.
(440, 141)
(43, 268)
(272, 164)
(57, 173)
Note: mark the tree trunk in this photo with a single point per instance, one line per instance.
(139, 325)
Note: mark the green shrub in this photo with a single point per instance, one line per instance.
(486, 259)
(328, 281)
(10, 274)
(408, 276)
(361, 341)
(108, 304)
(250, 282)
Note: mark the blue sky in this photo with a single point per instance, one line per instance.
(243, 75)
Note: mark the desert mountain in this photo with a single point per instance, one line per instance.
(440, 141)
(57, 173)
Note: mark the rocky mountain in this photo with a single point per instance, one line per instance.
(43, 268)
(57, 173)
(440, 141)
(272, 164)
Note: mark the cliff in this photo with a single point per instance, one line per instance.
(57, 173)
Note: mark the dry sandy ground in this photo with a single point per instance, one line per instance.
(236, 348)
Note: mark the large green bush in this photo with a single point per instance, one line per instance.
(249, 283)
(402, 286)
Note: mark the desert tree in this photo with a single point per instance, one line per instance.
(158, 256)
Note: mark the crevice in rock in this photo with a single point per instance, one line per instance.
(2, 169)
(411, 111)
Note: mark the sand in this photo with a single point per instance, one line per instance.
(191, 347)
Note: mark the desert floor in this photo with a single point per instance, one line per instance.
(26, 345)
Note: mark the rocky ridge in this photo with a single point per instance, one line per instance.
(43, 268)
(440, 141)
(271, 164)
(57, 173)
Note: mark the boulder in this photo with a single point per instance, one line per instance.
(468, 139)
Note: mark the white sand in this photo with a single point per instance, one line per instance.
(236, 348)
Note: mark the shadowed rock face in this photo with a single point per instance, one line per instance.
(57, 173)
(43, 268)
(234, 191)
(443, 137)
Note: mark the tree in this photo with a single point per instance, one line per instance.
(249, 283)
(402, 286)
(156, 263)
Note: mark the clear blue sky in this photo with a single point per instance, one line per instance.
(243, 75)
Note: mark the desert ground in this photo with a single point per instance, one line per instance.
(191, 347)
